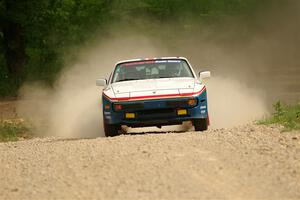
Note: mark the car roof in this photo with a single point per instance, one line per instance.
(145, 59)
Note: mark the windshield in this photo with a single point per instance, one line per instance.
(151, 69)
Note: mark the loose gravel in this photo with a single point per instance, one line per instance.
(247, 162)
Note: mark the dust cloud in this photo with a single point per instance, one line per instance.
(250, 68)
(232, 103)
(72, 109)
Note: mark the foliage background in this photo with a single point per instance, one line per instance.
(54, 29)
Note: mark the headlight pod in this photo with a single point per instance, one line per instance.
(118, 107)
(124, 107)
(183, 103)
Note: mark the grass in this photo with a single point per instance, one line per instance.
(286, 115)
(13, 130)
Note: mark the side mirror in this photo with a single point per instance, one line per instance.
(204, 75)
(101, 82)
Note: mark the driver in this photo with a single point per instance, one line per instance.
(173, 70)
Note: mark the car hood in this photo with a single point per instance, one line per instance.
(153, 87)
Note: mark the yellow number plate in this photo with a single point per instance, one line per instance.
(130, 115)
(182, 112)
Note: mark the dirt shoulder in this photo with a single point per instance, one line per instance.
(8, 109)
(249, 162)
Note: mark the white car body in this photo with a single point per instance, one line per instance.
(154, 92)
(154, 88)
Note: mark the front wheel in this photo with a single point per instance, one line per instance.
(111, 130)
(200, 124)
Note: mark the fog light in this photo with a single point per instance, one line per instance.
(182, 112)
(129, 115)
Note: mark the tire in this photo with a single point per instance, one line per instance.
(111, 130)
(200, 124)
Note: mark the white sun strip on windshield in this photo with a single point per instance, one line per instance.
(167, 61)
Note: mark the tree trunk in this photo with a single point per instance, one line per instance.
(13, 41)
(14, 46)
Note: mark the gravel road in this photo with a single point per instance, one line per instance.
(247, 162)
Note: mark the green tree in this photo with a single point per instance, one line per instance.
(34, 36)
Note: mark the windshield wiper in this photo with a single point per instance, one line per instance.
(128, 79)
(164, 77)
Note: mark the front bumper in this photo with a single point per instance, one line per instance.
(156, 112)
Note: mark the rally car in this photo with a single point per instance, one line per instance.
(154, 92)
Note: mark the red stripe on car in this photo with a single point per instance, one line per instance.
(155, 96)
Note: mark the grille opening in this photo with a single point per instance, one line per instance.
(133, 106)
(156, 114)
(157, 111)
